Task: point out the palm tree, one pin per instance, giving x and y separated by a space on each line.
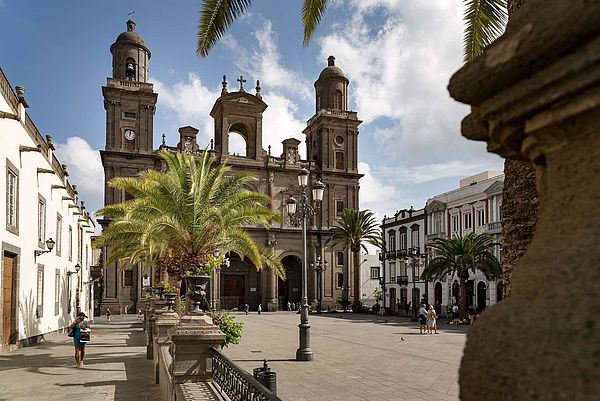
354 227
178 218
462 256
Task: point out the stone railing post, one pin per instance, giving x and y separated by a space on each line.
191 341
163 323
159 309
535 94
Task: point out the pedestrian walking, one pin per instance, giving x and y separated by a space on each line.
75 329
125 309
455 311
289 305
259 309
431 320
422 319
246 308
140 315
108 315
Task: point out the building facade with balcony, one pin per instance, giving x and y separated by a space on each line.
45 232
476 206
370 289
402 260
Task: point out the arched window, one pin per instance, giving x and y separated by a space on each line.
130 69
338 100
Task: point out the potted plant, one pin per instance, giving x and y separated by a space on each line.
196 280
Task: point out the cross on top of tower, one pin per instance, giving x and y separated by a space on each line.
241 80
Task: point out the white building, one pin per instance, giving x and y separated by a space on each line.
474 207
404 238
369 279
40 289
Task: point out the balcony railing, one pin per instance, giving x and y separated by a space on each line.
402 280
401 253
7 91
236 383
431 237
390 254
495 227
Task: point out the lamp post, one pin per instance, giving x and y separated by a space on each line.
414 258
77 295
299 213
319 267
49 244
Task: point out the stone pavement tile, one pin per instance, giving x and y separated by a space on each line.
115 368
356 356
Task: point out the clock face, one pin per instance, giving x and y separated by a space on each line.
129 134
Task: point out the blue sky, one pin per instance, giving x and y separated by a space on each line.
398 55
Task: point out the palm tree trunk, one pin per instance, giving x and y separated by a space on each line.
519 204
463 298
356 305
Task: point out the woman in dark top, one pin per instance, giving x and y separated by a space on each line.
79 324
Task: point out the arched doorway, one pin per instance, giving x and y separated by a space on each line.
470 293
290 289
437 297
237 144
455 293
393 302
239 284
241 140
499 291
481 296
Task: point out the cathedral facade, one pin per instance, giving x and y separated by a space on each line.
332 156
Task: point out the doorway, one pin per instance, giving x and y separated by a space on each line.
234 291
481 296
438 294
8 301
393 302
289 290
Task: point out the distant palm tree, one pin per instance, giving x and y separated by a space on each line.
353 229
178 218
462 256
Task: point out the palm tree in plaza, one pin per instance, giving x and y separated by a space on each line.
484 22
178 218
462 256
354 228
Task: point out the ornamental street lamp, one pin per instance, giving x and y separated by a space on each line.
49 244
319 267
299 213
415 260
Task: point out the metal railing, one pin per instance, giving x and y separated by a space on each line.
236 383
402 280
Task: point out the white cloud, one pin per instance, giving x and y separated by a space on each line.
85 170
374 195
431 172
263 62
279 123
399 71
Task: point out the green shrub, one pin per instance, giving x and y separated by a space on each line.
228 325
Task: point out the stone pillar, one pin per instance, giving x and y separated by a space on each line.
272 303
150 329
535 94
190 348
162 325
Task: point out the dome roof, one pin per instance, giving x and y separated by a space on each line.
331 71
130 36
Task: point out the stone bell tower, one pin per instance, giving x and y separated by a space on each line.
130 103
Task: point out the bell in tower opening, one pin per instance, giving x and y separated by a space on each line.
130 70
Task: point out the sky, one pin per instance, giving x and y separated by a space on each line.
398 55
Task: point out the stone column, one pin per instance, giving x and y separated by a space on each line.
150 327
162 325
190 348
272 303
535 94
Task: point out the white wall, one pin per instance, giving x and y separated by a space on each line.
31 184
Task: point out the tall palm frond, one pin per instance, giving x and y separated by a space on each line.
312 13
215 17
355 227
484 22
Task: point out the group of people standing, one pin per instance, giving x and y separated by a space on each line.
427 319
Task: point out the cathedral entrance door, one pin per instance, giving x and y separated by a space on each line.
234 291
290 289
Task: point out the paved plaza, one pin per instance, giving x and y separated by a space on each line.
115 368
357 357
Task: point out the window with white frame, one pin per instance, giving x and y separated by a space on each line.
480 217
455 223
414 241
70 243
438 222
56 291
340 258
340 280
40 291
467 221
12 198
403 269
374 272
393 271
392 241
58 245
41 221
403 244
